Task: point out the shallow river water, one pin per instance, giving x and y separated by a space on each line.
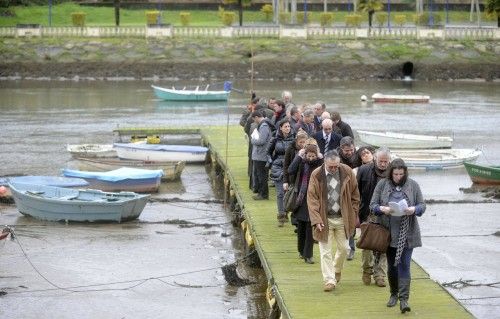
152 267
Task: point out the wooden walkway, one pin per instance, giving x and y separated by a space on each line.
298 286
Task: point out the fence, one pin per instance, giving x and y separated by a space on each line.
309 32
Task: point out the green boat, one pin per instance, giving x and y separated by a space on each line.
481 174
197 94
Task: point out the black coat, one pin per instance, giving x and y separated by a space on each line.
297 169
345 129
276 152
367 180
290 153
332 144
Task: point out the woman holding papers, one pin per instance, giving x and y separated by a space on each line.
397 201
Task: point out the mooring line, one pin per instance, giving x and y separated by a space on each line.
137 281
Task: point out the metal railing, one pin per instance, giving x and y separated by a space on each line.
309 32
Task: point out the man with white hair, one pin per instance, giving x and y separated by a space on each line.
368 176
286 97
327 139
333 203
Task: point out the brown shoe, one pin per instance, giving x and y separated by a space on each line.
380 282
367 278
328 287
337 276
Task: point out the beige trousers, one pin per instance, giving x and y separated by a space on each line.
330 265
371 267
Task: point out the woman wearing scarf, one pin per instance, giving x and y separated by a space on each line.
405 232
304 163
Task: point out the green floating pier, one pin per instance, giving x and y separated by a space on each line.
297 286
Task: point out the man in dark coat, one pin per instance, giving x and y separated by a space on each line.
368 176
343 127
326 138
319 108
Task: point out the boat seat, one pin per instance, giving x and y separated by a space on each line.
69 197
35 193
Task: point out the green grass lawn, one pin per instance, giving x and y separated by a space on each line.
104 16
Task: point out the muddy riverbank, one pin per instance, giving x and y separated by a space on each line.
202 59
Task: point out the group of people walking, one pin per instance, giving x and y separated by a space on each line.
311 152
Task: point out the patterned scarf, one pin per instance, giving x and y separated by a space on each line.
403 233
303 183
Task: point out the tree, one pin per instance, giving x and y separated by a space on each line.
370 6
493 8
241 4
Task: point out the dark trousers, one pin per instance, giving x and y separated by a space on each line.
305 239
351 243
261 174
251 181
402 270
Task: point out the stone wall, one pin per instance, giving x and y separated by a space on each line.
231 59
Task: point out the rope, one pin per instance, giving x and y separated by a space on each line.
460 284
137 282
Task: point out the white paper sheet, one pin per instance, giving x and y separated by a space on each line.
398 208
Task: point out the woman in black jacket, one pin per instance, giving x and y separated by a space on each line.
291 151
276 154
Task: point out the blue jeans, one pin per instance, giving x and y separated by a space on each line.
280 194
402 270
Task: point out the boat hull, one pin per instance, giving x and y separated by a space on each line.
480 174
62 204
386 98
189 95
139 152
92 150
436 159
146 185
122 179
171 170
406 141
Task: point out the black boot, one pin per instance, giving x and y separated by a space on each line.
393 284
404 294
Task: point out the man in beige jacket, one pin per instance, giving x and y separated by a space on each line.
333 203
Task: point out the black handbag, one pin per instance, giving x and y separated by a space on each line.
374 237
290 199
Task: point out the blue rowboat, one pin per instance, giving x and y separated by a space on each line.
59 181
66 204
122 179
174 94
161 153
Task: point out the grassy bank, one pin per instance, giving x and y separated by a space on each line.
104 16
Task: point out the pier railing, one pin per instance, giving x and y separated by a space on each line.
308 32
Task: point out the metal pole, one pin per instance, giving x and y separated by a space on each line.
50 13
389 14
305 12
431 18
447 20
